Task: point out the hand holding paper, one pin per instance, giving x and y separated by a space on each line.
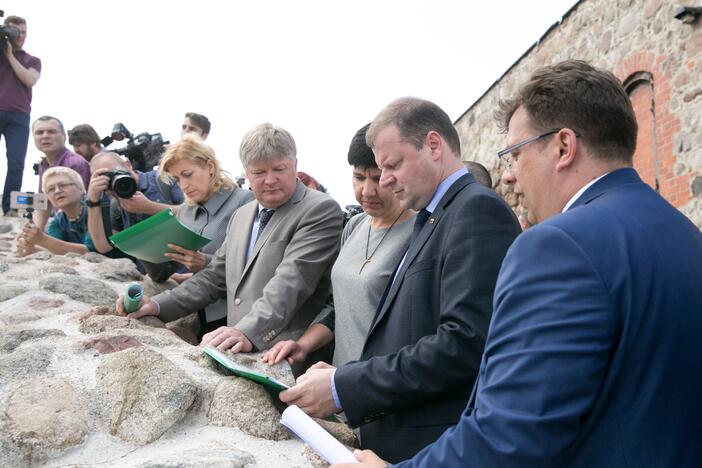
312 392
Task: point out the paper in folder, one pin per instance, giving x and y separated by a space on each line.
315 436
149 239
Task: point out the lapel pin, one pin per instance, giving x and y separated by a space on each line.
431 220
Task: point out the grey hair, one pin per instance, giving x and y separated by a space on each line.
266 142
68 172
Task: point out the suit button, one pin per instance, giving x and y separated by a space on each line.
237 301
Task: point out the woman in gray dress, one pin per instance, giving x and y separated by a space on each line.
211 197
372 245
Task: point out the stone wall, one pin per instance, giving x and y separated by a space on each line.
657 57
81 386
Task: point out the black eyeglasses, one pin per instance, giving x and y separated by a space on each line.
506 154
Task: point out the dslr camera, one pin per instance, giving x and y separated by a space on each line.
121 183
7 33
143 150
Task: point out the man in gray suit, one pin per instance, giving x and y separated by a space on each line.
274 265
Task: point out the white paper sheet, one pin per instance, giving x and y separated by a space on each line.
315 436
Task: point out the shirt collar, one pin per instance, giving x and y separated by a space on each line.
217 200
443 188
577 195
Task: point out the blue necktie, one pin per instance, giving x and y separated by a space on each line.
263 219
419 223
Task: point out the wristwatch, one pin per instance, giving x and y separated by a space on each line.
92 204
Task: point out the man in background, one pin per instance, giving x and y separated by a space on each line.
152 196
197 124
19 72
85 141
480 173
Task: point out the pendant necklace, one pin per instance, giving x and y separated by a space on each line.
368 257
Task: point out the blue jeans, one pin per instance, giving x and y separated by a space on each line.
14 126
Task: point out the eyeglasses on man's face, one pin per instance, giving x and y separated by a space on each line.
51 189
506 154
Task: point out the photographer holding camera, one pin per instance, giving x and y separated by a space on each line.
19 72
128 196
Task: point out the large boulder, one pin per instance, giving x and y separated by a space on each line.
45 415
144 393
243 404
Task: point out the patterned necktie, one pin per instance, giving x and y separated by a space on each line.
263 219
419 223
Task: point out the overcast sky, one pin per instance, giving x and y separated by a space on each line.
320 69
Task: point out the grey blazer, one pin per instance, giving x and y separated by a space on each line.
277 294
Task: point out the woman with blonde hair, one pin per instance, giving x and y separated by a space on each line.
68 229
211 197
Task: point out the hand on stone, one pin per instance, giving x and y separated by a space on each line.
367 459
312 391
229 338
289 349
192 259
146 307
24 247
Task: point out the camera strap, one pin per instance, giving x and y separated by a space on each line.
106 218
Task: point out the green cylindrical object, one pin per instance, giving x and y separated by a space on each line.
132 298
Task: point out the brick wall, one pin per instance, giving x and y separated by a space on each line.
632 38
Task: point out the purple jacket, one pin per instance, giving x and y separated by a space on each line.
67 159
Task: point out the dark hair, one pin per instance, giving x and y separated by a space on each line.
360 154
415 118
15 20
83 133
480 173
199 120
576 95
45 118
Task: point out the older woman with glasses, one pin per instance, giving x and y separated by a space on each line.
211 197
68 230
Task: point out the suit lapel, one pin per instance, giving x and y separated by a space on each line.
248 215
418 245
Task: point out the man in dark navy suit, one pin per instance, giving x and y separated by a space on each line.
593 356
423 350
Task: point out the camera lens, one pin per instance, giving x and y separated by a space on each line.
124 186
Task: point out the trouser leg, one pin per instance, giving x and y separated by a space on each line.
16 132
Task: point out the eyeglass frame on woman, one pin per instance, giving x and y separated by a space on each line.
506 152
60 186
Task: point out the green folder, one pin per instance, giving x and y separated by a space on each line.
149 239
244 372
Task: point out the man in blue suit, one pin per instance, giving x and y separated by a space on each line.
593 355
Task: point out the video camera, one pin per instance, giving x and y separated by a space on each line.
143 150
7 33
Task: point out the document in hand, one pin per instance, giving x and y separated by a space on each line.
315 436
244 372
149 239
